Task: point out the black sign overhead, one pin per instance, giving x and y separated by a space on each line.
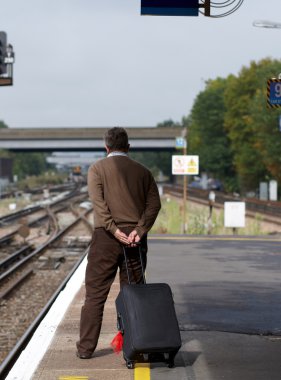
170 7
216 9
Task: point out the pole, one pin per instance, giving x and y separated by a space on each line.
184 135
207 6
184 195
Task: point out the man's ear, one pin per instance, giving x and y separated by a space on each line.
107 149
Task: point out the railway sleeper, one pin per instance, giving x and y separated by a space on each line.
51 263
14 284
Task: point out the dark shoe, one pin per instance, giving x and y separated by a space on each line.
84 356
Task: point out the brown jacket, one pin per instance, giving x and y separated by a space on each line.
123 193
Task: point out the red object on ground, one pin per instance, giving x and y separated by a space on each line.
117 343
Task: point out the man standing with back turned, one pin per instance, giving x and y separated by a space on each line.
126 203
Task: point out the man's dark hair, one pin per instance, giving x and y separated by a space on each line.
116 139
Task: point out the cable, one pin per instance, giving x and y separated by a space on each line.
224 4
229 12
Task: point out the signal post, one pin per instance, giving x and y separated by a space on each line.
7 59
184 165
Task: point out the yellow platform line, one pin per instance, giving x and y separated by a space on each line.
142 371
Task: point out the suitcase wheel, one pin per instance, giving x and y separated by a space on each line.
169 360
171 363
130 364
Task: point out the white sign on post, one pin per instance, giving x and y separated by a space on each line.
263 191
182 165
234 214
273 193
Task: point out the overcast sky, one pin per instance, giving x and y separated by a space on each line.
99 63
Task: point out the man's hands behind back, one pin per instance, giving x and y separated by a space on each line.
134 237
130 240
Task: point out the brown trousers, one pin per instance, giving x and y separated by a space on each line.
104 258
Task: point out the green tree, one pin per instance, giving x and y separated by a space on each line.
251 125
168 124
267 141
2 124
207 136
3 153
155 161
26 164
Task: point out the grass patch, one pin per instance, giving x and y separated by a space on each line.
169 220
47 178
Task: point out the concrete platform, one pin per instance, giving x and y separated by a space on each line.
227 294
60 359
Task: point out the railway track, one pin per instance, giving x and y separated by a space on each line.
271 211
43 212
29 210
38 190
19 259
31 275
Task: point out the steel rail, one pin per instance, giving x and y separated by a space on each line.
83 217
9 218
37 190
42 247
14 257
6 239
13 355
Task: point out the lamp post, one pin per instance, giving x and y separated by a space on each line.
268 25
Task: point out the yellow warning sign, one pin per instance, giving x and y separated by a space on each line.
192 166
182 165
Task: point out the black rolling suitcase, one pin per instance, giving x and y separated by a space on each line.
147 320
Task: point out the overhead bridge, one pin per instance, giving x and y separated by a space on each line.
84 139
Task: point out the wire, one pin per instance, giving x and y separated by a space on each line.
224 4
230 11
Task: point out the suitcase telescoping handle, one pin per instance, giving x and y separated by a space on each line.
141 261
